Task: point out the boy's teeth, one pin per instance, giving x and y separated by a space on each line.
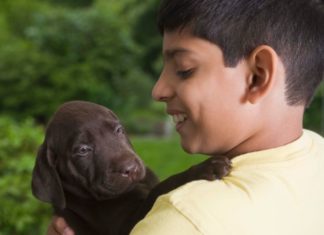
177 118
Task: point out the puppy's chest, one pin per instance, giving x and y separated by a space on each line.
110 217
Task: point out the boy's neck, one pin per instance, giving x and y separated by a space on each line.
278 129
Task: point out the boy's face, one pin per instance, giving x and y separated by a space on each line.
205 98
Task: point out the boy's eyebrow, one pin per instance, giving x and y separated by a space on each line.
171 53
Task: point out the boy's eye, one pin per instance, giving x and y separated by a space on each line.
185 73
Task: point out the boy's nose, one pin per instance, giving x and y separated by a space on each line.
162 90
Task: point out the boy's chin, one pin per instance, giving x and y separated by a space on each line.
192 148
188 148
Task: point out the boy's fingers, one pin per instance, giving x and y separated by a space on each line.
68 231
51 227
59 227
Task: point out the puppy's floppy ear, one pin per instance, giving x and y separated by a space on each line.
46 183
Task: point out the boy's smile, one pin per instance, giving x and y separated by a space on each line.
178 117
202 95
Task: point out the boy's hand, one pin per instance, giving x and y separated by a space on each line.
58 226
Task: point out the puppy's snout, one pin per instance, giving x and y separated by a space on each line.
130 170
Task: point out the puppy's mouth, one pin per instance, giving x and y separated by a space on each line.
101 193
116 184
105 192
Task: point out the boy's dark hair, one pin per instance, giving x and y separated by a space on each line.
293 28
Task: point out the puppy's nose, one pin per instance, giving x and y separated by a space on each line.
130 170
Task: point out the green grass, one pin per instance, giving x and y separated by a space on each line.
164 156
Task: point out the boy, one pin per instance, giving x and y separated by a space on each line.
237 77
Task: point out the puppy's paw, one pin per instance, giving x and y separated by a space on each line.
213 168
219 167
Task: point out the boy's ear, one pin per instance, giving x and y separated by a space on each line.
263 64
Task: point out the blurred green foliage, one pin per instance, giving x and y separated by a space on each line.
103 51
52 54
20 212
314 115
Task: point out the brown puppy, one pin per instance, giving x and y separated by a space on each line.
87 169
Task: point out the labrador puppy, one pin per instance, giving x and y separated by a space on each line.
87 169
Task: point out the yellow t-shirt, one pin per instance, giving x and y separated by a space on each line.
278 191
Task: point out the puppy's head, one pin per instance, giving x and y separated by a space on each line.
87 153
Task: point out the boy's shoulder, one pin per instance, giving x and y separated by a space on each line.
263 187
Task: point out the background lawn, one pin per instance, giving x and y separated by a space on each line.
164 156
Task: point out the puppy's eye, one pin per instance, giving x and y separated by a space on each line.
119 130
83 150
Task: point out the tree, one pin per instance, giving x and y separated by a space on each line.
61 54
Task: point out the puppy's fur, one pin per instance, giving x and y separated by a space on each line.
87 169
